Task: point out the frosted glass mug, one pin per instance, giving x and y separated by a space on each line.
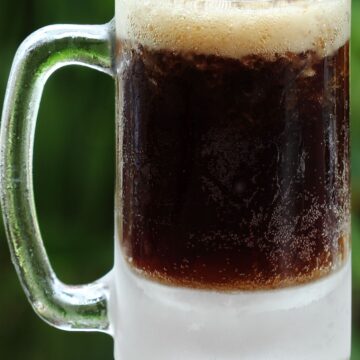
232 202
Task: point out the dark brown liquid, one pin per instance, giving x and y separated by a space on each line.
235 173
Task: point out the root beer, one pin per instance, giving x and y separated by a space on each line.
235 169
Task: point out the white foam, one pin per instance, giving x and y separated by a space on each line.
235 28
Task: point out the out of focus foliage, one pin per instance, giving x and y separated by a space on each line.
74 181
355 163
74 172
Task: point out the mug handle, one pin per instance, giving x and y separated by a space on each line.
67 307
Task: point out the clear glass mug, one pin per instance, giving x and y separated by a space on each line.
232 205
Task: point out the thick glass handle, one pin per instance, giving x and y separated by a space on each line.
66 307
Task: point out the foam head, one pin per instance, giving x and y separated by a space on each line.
235 28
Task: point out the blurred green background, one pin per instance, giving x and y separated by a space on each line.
74 177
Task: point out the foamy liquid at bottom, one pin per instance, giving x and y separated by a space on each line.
156 322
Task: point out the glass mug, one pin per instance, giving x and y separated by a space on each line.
232 205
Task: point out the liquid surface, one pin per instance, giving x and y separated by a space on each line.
234 166
235 172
